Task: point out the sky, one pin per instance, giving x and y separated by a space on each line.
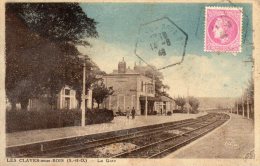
202 74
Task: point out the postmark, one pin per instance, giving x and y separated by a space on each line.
161 38
223 29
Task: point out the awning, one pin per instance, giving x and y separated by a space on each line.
149 98
165 98
159 98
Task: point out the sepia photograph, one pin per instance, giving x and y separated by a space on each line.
133 80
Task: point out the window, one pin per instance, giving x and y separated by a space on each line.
67 103
150 89
67 92
142 86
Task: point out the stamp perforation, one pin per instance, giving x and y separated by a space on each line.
240 29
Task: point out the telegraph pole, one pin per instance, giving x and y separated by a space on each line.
247 103
146 105
188 99
243 106
251 107
146 102
153 84
237 108
83 103
83 95
242 101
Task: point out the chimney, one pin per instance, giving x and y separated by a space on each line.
122 66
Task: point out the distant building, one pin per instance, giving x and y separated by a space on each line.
66 99
164 104
131 89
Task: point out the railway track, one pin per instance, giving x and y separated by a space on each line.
49 147
68 150
165 146
152 142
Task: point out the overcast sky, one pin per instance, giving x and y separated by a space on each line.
204 74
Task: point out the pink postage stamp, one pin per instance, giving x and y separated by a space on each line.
223 29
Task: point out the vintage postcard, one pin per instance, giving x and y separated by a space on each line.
130 83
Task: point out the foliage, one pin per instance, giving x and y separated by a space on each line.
248 101
41 56
58 22
99 116
180 101
101 92
177 111
32 120
92 73
154 113
249 92
169 113
160 88
194 103
19 82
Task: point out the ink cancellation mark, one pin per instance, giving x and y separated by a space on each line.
161 38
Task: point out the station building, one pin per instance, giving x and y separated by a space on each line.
164 104
131 89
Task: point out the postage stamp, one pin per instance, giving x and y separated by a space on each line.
223 29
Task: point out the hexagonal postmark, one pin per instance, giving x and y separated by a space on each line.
161 39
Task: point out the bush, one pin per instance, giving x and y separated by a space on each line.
99 116
152 113
169 113
31 120
194 111
120 113
177 111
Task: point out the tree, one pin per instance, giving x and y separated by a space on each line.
180 101
101 92
194 103
248 98
92 73
19 83
251 92
41 56
59 22
153 73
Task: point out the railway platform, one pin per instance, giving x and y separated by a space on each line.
234 139
119 123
